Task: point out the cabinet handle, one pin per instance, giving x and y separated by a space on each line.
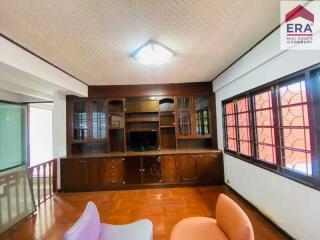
122 159
123 182
189 179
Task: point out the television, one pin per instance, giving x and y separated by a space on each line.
142 140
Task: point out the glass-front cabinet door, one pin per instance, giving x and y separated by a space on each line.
184 116
80 121
98 120
202 115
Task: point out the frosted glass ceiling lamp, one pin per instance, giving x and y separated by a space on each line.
152 54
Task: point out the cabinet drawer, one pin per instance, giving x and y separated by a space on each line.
113 171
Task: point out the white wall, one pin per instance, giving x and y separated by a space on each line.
59 130
23 74
292 206
40 134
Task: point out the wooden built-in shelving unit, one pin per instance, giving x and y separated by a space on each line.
104 124
98 129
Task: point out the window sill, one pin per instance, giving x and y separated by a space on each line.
299 178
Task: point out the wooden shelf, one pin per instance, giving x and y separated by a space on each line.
193 137
168 126
115 128
165 113
116 113
141 112
142 121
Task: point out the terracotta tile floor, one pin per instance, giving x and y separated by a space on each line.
164 207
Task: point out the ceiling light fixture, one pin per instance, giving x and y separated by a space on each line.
152 54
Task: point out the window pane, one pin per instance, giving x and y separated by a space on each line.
231 132
263 100
40 134
264 127
265 135
243 125
232 145
243 119
293 93
12 135
245 148
295 115
295 130
231 120
266 153
298 161
244 133
296 138
230 108
230 127
242 105
264 118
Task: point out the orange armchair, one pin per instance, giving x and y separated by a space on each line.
231 224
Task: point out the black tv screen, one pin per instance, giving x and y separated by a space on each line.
142 140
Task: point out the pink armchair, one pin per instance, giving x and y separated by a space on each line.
88 227
231 223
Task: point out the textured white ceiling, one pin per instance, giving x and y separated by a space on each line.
92 39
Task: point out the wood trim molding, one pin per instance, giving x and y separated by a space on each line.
173 89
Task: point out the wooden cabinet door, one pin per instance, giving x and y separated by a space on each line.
184 117
188 165
98 120
168 169
141 106
72 171
202 116
80 121
210 168
93 174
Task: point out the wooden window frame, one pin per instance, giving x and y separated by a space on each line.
225 134
313 104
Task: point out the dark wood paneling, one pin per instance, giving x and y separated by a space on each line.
168 140
213 118
174 89
141 106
